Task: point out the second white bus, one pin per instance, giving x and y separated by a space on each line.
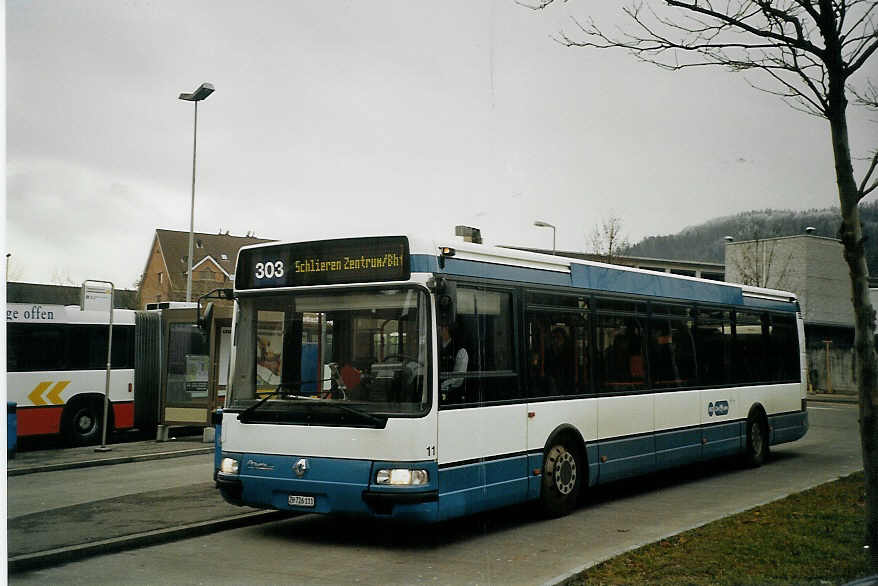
56 361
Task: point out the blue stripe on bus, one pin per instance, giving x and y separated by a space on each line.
607 279
620 458
424 263
486 270
768 304
654 285
722 439
788 427
677 447
473 486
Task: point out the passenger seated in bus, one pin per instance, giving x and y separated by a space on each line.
558 362
453 357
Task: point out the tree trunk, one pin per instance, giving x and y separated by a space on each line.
851 235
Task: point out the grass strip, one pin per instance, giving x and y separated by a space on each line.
813 537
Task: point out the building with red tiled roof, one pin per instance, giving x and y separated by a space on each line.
213 264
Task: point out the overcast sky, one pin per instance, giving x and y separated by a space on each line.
335 117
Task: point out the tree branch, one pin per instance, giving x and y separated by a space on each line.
864 191
850 69
802 44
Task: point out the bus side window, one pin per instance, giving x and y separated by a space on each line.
620 353
557 354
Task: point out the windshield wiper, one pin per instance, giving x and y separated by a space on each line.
381 421
277 391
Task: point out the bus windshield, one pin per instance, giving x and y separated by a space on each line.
331 358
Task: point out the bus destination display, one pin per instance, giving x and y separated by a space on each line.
327 262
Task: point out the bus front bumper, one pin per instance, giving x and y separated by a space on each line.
328 486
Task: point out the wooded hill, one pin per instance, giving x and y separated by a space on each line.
705 242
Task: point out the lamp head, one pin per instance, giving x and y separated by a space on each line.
201 93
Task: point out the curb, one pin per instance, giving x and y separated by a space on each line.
107 461
63 555
839 399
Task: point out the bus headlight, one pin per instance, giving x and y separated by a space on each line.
229 466
402 477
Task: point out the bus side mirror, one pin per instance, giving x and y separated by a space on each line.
446 302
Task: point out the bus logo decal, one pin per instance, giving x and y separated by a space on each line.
253 464
36 395
301 467
719 408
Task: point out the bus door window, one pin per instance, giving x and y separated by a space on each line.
483 329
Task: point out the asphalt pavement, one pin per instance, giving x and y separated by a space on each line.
59 535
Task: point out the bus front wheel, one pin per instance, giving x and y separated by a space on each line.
561 481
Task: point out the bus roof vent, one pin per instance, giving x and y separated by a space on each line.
469 234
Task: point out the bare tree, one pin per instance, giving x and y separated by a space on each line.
607 239
807 52
14 271
62 277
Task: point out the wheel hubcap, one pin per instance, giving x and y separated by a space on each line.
84 422
756 437
565 473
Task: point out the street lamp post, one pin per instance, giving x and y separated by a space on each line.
541 224
198 95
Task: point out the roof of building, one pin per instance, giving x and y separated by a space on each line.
221 248
62 295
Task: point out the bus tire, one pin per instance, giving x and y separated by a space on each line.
82 421
561 480
756 449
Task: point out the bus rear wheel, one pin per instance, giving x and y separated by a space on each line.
561 481
82 422
757 441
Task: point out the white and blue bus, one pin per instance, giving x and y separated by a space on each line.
397 377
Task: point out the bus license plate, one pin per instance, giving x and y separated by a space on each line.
301 501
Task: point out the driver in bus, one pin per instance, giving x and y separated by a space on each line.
451 359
